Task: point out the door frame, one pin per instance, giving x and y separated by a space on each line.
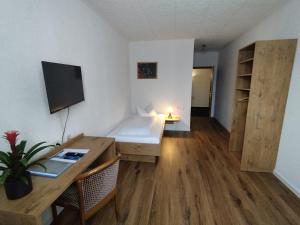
211 85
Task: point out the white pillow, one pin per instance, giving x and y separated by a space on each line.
142 112
137 126
149 108
153 113
148 112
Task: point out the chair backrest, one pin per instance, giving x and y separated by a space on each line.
98 183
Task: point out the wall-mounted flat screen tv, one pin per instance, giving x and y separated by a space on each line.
63 85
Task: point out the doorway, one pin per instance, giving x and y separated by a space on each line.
202 81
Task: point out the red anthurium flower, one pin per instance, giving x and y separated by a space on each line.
11 136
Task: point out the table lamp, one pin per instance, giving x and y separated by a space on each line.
170 111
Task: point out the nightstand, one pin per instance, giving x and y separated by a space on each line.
173 119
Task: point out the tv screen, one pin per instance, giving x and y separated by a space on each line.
63 85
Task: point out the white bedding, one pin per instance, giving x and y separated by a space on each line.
139 129
136 126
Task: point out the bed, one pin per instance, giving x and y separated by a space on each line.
139 138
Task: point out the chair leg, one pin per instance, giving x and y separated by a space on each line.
116 209
54 213
82 219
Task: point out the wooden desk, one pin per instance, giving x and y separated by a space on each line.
28 210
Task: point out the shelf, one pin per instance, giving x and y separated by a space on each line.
243 100
246 60
173 119
243 89
250 47
245 75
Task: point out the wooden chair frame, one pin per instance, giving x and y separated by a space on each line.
78 181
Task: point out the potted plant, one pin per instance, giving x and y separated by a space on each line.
15 177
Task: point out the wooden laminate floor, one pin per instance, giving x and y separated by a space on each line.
197 181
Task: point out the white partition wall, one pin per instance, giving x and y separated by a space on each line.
173 86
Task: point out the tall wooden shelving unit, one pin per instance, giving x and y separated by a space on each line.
262 84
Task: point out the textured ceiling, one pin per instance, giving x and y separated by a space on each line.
211 22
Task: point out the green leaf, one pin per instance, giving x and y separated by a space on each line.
5 158
34 152
37 163
4 176
24 162
34 147
21 147
3 168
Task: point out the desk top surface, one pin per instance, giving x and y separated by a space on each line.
47 190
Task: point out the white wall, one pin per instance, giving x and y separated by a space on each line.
204 59
174 84
282 24
64 31
201 87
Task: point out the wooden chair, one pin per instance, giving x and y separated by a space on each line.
91 191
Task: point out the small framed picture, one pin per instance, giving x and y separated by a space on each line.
147 70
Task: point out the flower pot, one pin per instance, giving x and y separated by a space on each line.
18 189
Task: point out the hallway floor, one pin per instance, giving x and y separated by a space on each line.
197 181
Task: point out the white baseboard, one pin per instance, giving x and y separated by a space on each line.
286 183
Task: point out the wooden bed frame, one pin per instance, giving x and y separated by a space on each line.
140 152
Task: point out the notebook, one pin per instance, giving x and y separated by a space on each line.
57 164
54 168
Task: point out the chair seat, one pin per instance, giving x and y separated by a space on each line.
70 197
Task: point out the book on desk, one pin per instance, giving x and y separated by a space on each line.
58 163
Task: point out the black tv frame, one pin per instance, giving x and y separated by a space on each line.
47 90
